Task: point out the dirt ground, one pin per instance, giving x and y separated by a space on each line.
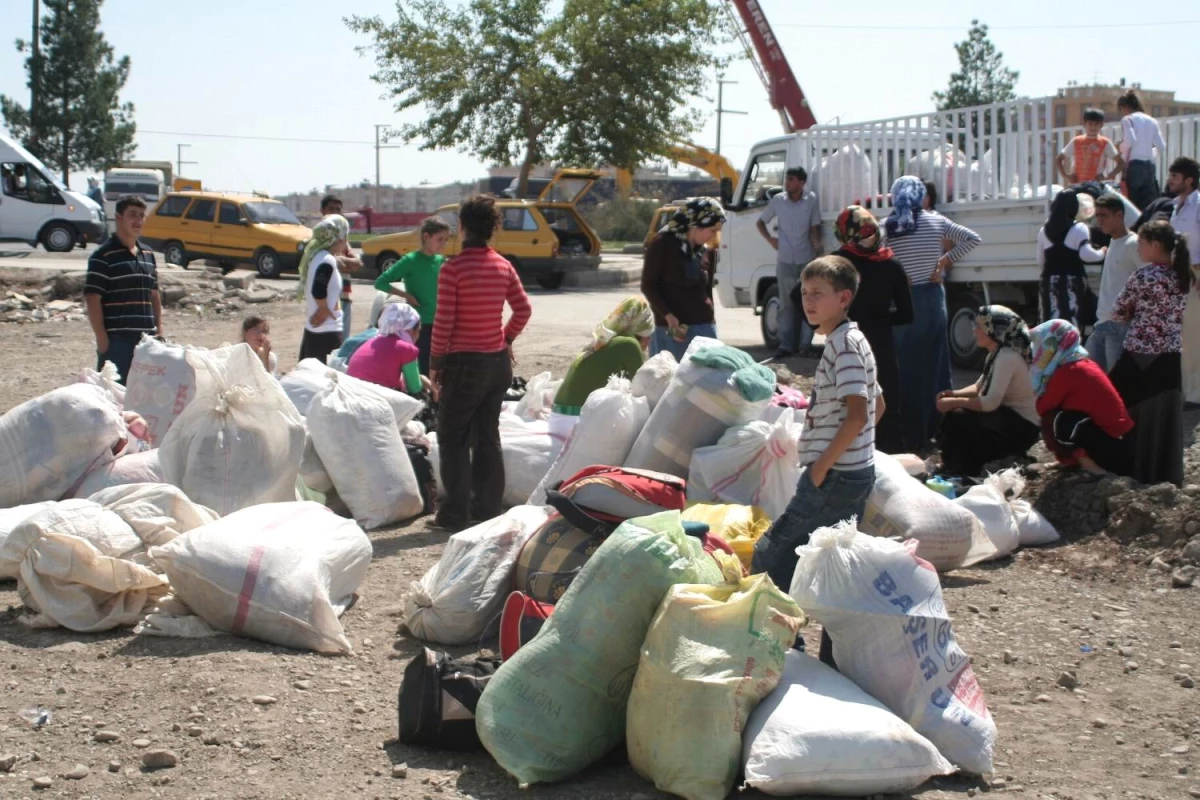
1090 606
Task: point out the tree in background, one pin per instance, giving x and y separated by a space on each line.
79 122
982 77
593 82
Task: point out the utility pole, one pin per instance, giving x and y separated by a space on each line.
380 146
179 162
721 110
35 75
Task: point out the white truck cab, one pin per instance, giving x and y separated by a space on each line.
994 170
36 208
148 184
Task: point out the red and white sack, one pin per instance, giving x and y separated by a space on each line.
756 464
882 606
162 382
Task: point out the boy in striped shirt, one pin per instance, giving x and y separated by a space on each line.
837 445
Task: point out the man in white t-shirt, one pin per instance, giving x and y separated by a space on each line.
1142 138
1120 261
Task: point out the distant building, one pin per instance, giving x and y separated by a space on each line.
402 199
1071 101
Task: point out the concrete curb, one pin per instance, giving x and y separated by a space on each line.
603 277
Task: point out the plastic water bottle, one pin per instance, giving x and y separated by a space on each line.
36 717
941 486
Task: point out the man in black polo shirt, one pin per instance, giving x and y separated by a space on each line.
122 290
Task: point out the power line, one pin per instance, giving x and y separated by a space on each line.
990 27
255 138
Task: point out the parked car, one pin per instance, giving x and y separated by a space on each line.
227 228
544 238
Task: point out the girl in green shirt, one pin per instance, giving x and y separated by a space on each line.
618 348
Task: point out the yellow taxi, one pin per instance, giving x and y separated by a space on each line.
661 215
544 238
227 228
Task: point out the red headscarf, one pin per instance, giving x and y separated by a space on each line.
858 231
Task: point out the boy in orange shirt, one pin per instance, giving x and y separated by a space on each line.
1085 156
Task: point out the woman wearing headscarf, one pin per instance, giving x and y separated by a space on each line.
618 347
321 285
995 417
677 276
883 301
390 358
1084 420
916 237
1063 248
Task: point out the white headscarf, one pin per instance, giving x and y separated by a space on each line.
397 319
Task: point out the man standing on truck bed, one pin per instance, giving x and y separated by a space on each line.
121 292
1141 137
799 242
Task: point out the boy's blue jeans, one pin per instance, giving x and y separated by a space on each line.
843 495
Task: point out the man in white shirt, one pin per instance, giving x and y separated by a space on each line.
1141 137
798 242
1182 180
1120 261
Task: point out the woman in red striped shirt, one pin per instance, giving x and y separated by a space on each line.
471 362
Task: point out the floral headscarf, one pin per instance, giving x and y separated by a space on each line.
632 317
696 212
332 228
1056 343
1006 328
908 193
397 319
858 231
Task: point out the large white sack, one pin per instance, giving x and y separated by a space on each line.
538 399
162 382
700 404
49 443
9 519
950 536
1033 529
654 376
818 733
239 443
108 379
462 593
157 512
529 449
756 464
279 572
312 469
995 515
882 606
608 425
355 435
310 377
143 467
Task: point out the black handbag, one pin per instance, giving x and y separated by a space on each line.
437 700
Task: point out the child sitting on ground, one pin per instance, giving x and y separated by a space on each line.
256 332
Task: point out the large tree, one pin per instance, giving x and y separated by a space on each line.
581 81
79 122
982 77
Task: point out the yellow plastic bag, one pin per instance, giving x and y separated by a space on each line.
711 654
740 526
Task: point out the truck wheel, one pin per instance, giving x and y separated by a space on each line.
266 261
59 237
551 280
770 317
174 253
962 309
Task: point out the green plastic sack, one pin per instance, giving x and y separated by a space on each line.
712 653
558 705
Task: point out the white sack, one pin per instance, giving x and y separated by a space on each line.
157 512
312 469
10 518
143 467
310 377
1033 529
279 572
465 590
608 425
883 608
538 399
949 535
654 376
355 434
756 464
995 516
818 733
529 452
107 379
162 382
239 443
49 443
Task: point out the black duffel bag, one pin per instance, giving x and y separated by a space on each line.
438 698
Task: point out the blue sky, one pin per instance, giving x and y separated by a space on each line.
289 70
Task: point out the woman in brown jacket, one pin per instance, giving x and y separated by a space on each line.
677 276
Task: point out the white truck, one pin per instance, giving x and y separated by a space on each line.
993 167
36 208
148 180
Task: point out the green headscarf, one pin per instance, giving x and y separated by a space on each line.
632 317
332 228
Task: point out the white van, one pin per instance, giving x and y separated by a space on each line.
119 182
35 207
